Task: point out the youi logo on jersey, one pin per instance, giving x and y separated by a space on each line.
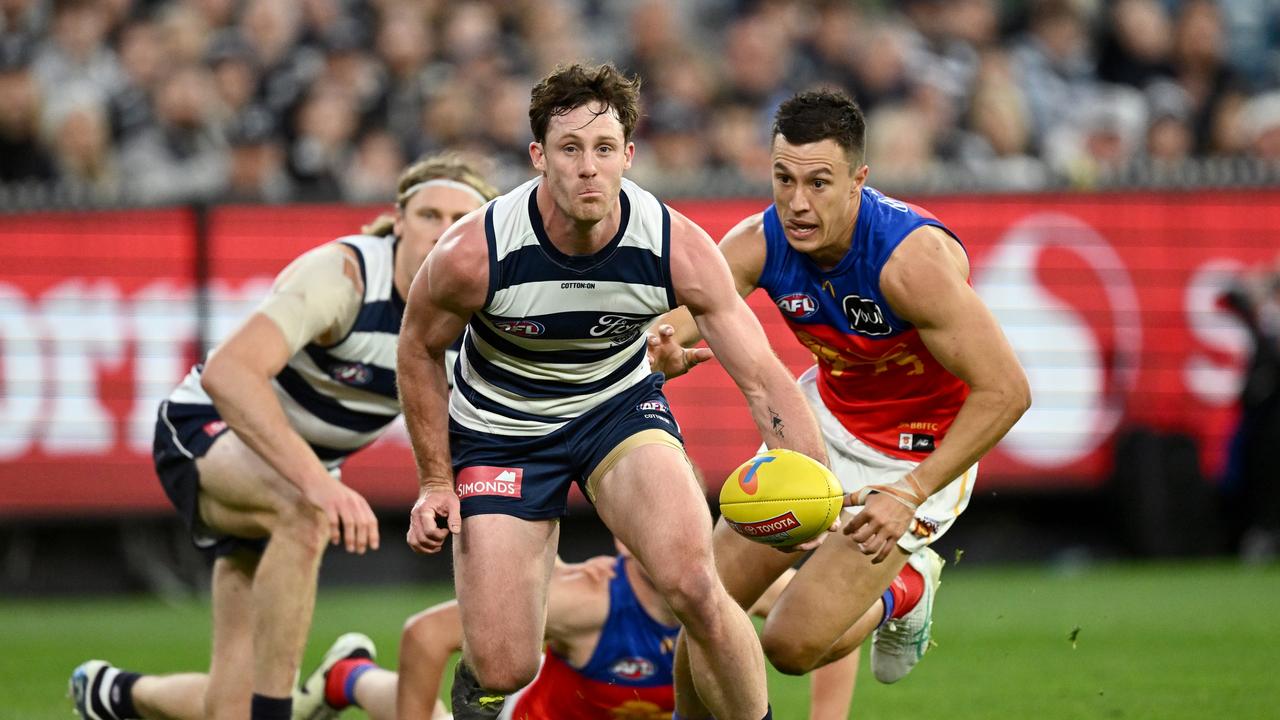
865 316
797 305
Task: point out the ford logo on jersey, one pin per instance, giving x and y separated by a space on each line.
797 305
525 328
351 373
614 325
633 669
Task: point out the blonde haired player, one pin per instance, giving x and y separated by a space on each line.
914 382
249 446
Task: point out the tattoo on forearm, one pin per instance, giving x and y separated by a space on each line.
776 421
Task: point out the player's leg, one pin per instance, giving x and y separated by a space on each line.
243 496
652 503
502 566
171 697
101 691
107 693
834 597
747 569
426 643
230 688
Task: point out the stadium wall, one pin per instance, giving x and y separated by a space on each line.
1109 299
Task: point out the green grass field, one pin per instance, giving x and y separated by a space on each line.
1155 641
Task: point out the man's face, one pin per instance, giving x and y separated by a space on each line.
816 192
424 218
583 158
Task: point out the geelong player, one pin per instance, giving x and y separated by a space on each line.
609 649
914 383
555 284
249 446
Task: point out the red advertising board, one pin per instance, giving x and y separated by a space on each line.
1108 300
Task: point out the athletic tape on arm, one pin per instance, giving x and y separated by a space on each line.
313 296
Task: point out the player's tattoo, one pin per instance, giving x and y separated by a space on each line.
776 421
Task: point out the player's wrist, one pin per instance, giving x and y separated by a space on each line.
906 490
434 483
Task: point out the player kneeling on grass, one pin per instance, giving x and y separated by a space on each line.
914 383
610 642
249 446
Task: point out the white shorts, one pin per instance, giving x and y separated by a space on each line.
858 465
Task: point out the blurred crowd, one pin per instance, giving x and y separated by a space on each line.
161 101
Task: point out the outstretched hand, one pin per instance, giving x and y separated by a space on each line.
434 517
670 358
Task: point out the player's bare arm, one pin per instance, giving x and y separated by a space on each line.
239 371
925 283
673 335
704 284
449 287
577 608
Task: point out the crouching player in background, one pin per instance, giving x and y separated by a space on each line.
914 383
610 645
249 446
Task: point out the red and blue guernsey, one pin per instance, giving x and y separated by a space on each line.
628 676
874 373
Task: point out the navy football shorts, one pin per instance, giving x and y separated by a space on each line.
184 433
529 477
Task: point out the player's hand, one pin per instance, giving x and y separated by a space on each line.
878 527
351 520
434 517
671 359
812 544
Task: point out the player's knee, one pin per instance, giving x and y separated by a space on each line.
504 674
692 591
304 522
789 653
416 634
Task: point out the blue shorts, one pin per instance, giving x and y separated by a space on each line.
529 477
184 433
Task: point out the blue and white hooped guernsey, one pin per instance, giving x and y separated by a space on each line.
560 334
340 397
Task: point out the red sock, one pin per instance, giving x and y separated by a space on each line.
907 589
339 685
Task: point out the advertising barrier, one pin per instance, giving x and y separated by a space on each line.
1109 300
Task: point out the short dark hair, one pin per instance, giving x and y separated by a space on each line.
816 115
572 87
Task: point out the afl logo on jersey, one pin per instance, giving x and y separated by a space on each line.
797 305
351 373
633 669
523 328
865 316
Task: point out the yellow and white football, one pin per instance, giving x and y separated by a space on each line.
781 498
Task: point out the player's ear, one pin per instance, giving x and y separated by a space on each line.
629 152
859 179
537 156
